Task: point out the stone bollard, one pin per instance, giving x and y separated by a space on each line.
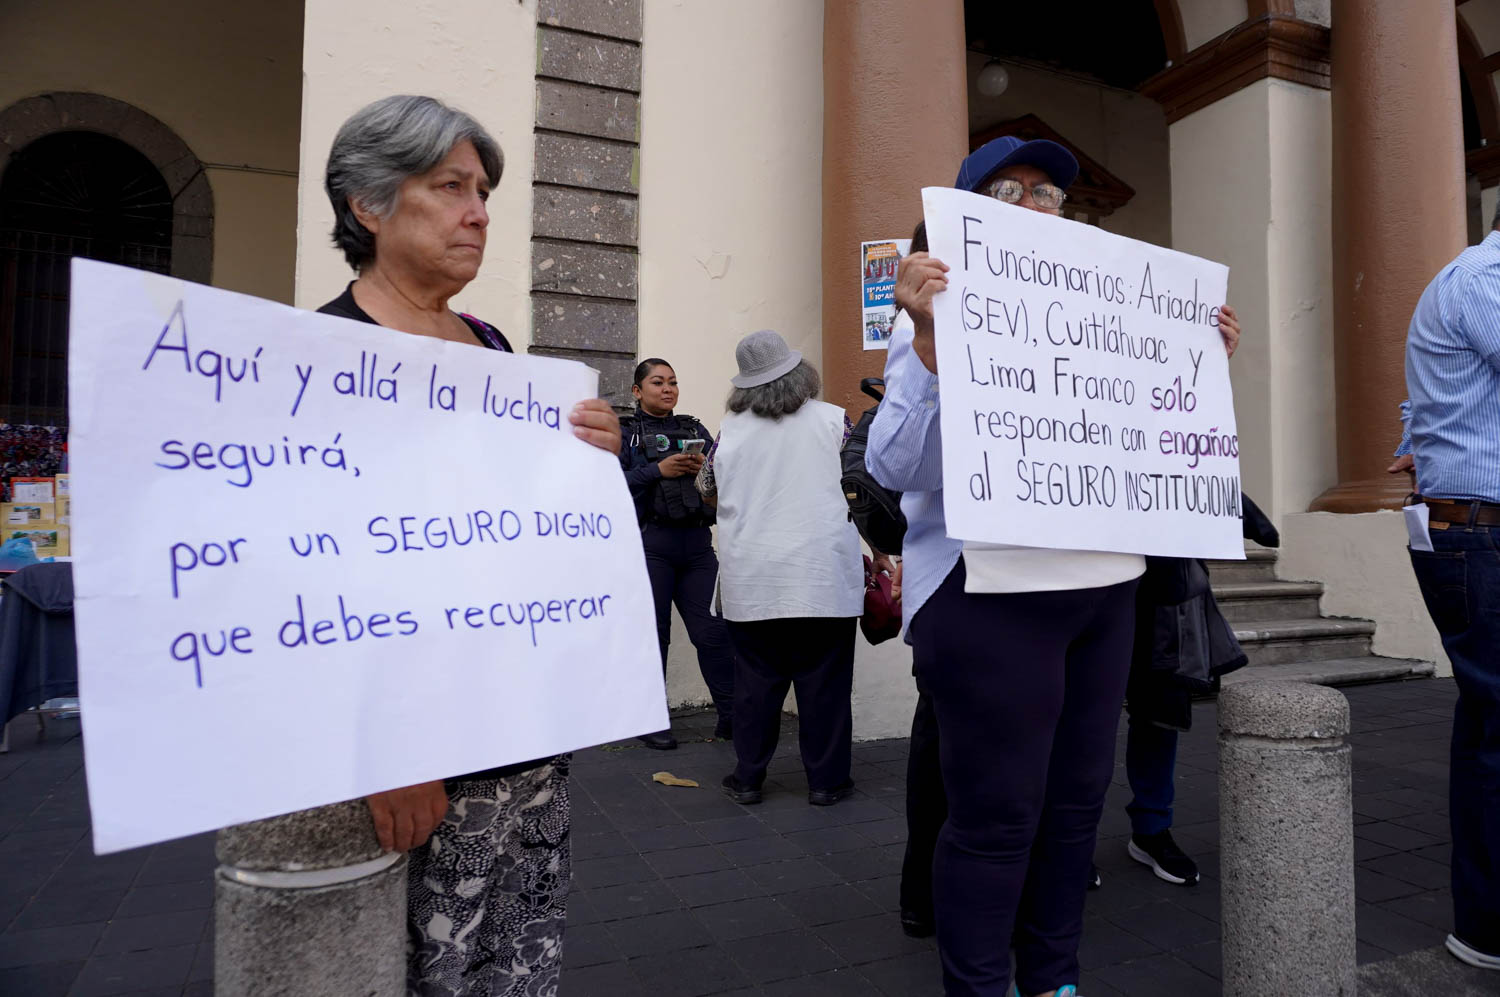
1286 827
307 903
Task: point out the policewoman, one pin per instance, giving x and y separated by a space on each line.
662 453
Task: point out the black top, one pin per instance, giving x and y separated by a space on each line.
344 306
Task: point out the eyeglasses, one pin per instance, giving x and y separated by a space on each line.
1044 195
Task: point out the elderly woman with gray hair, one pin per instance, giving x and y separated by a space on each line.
408 178
791 575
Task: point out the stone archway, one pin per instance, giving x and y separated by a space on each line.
192 198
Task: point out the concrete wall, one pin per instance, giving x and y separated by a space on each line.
730 207
1300 314
1125 132
1363 565
1268 144
477 55
225 77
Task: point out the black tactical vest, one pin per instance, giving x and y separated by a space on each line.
673 501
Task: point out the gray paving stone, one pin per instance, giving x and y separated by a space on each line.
745 918
915 974
198 895
1160 974
870 938
615 18
65 943
693 973
647 934
767 958
613 979
827 904
124 972
1106 943
61 906
52 979
612 871
131 934
685 861
720 886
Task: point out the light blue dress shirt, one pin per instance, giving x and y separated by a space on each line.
1453 376
905 453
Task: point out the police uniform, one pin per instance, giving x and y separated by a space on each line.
680 557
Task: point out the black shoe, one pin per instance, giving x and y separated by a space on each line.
662 740
739 792
1168 861
1095 880
828 797
724 729
917 925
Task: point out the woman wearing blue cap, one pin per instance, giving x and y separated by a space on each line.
1023 652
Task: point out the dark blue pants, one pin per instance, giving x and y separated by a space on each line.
1027 689
816 654
683 569
1460 581
1150 765
926 809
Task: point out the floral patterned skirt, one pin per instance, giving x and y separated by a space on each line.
487 895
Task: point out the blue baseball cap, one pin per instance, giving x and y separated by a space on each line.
1007 150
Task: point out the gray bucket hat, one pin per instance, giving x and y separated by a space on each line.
763 357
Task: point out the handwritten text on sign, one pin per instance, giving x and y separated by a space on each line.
316 559
1085 390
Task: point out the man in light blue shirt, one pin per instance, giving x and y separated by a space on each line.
1453 376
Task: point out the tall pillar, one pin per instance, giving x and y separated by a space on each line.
895 119
1398 217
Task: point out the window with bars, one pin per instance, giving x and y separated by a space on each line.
67 194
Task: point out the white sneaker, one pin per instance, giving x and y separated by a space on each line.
1466 953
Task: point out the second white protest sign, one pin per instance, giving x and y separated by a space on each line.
1085 389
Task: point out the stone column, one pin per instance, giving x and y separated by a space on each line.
895 119
1286 827
307 903
1398 217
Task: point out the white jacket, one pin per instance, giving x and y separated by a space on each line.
786 545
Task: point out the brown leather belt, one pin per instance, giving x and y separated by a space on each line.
1462 512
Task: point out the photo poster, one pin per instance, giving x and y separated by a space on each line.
316 559
877 290
1085 392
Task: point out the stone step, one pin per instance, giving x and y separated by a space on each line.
1259 565
1246 601
1336 671
1277 642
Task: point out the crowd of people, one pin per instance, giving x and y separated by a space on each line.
1022 657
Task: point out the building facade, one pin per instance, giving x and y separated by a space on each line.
681 172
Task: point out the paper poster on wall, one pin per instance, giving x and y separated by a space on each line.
317 559
877 277
31 489
1085 390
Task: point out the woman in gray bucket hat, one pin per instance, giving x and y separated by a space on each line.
791 576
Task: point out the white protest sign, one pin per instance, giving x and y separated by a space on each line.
316 559
1085 389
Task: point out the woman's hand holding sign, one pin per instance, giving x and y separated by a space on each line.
405 818
919 277
1229 329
